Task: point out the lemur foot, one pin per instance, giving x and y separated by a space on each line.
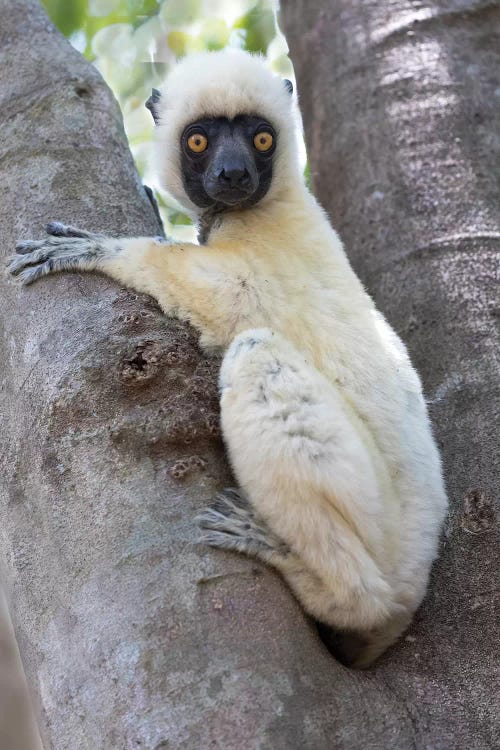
65 249
230 523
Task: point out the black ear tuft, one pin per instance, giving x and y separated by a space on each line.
152 104
288 85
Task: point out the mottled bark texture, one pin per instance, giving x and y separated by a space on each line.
401 104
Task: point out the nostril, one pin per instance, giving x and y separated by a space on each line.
233 176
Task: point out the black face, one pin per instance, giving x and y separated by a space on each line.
227 163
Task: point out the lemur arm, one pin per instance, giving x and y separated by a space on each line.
188 280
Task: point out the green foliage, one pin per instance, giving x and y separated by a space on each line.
68 17
135 42
181 12
259 25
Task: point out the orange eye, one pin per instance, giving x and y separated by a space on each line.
197 142
263 141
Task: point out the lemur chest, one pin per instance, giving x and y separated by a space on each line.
295 308
334 327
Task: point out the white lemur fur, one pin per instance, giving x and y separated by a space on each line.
322 412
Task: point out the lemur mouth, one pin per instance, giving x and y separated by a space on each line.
231 198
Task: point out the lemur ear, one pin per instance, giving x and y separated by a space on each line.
152 104
288 85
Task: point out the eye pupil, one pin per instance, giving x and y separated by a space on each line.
197 142
263 141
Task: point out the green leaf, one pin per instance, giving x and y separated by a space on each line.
67 16
177 218
260 26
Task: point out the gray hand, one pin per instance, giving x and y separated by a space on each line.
65 249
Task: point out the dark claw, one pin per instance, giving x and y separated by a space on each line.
32 273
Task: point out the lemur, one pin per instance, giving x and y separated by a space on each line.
322 413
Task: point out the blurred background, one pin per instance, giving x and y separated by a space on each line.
133 43
18 729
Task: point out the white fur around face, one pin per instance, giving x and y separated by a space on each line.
224 84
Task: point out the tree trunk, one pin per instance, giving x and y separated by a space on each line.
402 116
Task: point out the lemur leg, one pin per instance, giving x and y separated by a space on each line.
308 474
231 523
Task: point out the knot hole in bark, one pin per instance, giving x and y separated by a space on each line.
142 364
82 90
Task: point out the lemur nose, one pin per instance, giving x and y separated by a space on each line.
234 176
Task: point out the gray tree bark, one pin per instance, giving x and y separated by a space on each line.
131 635
401 103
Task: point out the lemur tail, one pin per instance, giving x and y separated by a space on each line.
360 650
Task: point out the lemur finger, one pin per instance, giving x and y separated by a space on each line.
58 229
234 497
16 263
36 252
33 273
48 245
37 255
220 540
230 512
246 545
26 246
211 518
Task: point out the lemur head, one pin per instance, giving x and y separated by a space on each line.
226 132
